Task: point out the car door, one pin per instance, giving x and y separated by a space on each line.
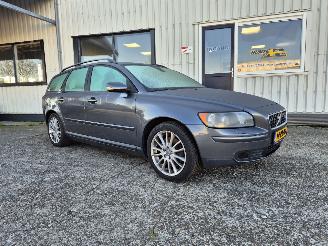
110 115
72 101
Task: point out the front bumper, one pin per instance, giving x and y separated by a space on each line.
218 147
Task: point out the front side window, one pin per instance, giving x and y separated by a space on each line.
102 77
270 46
76 80
22 63
127 47
159 78
57 82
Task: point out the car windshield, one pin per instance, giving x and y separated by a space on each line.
160 78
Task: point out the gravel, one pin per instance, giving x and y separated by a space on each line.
87 195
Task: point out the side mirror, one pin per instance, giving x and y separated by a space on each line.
117 87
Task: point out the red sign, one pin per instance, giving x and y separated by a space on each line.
186 49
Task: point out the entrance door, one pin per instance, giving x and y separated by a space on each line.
218 50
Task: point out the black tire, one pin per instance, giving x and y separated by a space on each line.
192 161
63 139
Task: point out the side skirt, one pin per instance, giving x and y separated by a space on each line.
102 141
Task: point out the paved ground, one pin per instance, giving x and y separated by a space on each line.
84 195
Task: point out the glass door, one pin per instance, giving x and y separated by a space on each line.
218 62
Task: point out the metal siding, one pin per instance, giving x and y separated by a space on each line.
176 23
15 27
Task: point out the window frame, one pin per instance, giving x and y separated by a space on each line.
14 47
77 42
238 24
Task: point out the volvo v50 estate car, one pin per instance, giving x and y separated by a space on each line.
175 122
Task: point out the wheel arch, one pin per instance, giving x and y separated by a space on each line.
48 113
156 121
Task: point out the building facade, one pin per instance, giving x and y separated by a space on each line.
275 49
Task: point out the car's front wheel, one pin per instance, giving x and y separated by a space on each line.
56 131
172 152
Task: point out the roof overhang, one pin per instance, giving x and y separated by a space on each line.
26 12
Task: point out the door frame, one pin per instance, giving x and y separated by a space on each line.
231 25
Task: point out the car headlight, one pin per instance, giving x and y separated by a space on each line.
227 120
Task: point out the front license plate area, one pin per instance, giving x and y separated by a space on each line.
280 135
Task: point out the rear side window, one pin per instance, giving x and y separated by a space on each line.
76 80
57 82
103 77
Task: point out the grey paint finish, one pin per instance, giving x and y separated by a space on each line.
115 114
121 119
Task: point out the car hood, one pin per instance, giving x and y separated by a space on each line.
217 96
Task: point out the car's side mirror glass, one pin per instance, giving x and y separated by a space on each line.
117 87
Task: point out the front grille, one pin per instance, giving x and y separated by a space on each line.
277 119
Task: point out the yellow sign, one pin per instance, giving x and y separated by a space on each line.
280 135
274 52
268 65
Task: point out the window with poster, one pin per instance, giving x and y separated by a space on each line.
22 64
271 46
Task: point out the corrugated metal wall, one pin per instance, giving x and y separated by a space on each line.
15 27
176 24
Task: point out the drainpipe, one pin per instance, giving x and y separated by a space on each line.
58 34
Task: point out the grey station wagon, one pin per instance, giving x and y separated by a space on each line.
175 122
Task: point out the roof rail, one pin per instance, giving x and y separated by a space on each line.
91 61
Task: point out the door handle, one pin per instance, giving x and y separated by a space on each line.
61 99
92 100
232 72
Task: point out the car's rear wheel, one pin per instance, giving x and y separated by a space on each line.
172 152
56 131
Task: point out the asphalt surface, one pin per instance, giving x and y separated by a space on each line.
86 195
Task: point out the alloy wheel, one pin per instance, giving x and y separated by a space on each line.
168 153
54 130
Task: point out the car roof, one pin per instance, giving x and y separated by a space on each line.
105 62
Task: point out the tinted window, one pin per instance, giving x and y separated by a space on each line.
76 80
156 77
103 77
57 82
270 46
